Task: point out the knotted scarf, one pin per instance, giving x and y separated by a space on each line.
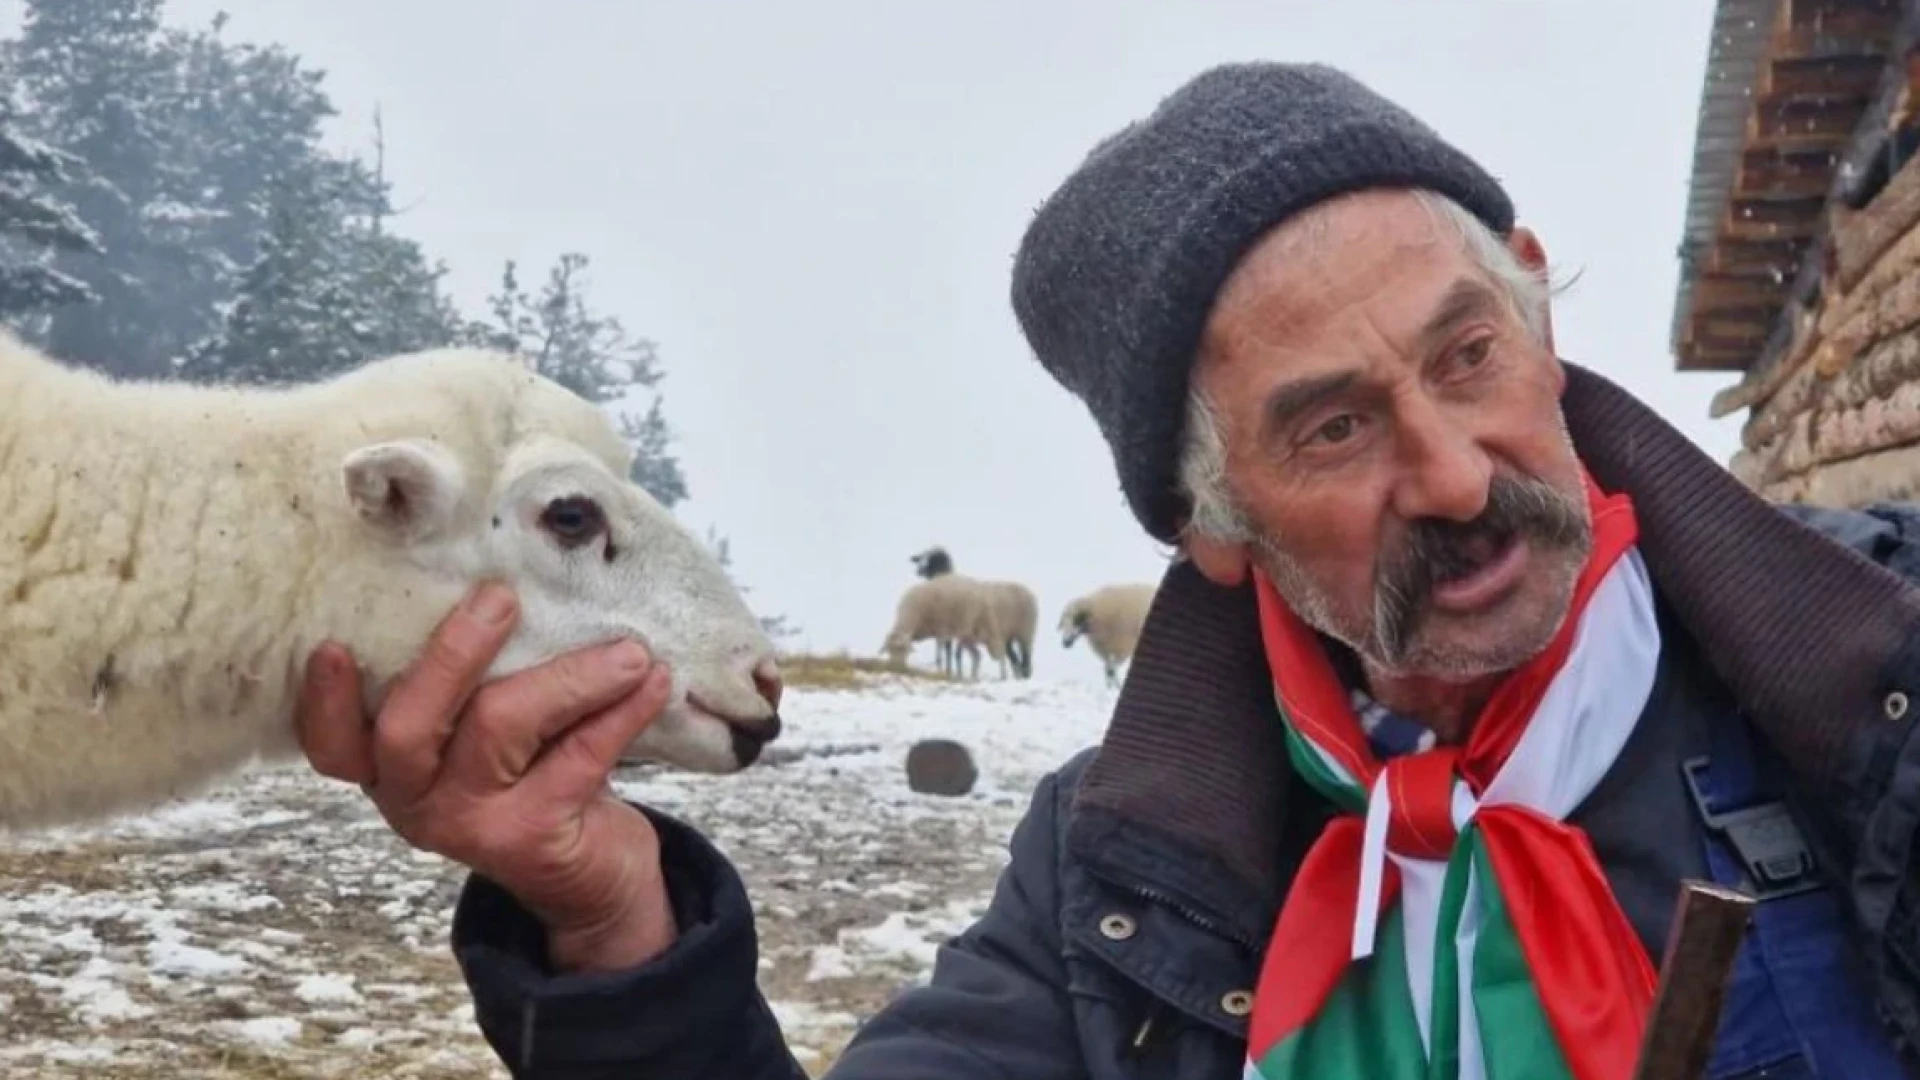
1448 923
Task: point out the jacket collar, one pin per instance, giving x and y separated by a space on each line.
1192 771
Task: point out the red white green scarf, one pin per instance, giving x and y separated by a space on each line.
1448 924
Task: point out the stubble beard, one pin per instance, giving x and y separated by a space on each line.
1398 636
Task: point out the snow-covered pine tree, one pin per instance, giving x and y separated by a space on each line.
35 225
330 289
242 121
93 75
591 354
188 141
293 319
410 308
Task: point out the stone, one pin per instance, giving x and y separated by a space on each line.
940 767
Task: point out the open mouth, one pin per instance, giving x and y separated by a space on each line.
1487 569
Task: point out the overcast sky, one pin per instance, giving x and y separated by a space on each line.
812 206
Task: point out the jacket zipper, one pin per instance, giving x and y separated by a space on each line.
1149 1028
1203 922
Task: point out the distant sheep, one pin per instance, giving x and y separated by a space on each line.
173 553
930 564
1017 617
1017 611
952 607
1110 618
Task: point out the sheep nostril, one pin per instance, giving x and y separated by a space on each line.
766 679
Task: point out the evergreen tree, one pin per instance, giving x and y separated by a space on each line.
564 339
35 226
188 141
293 320
243 125
92 73
411 309
329 290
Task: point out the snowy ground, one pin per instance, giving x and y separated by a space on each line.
277 930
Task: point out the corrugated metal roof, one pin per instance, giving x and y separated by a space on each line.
1741 29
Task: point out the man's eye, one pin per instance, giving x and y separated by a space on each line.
1474 352
1339 429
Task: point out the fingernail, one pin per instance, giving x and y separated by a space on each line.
630 659
492 603
323 666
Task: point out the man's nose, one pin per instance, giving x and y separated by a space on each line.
1443 472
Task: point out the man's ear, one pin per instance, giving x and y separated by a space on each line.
1221 562
1526 247
408 489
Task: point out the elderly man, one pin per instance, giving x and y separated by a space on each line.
1468 662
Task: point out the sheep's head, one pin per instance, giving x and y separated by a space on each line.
592 558
1073 623
933 562
896 648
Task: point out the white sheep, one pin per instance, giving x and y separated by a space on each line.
948 607
173 553
1016 611
1110 617
1017 618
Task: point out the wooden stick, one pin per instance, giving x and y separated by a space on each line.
1708 925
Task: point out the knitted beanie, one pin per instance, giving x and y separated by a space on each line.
1116 274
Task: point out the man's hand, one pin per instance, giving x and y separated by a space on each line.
510 777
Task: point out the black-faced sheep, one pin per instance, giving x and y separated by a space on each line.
1017 612
1110 618
173 553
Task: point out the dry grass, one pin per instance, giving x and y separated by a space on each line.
845 671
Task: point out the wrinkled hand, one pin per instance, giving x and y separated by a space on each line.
509 777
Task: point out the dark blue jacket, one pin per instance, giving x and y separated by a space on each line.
1124 938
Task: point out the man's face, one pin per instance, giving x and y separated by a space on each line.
1393 435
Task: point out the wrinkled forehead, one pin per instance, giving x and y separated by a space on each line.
1362 270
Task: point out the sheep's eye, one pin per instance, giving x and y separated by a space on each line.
573 520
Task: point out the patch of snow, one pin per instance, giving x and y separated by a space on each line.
319 988
894 938
91 1053
829 962
265 1030
78 939
179 958
93 994
222 896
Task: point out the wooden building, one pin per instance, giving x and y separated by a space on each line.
1800 261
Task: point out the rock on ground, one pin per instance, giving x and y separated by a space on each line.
940 767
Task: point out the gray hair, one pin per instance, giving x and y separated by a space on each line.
1215 512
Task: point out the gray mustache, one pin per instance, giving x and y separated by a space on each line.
1437 550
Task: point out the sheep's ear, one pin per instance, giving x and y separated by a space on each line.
408 489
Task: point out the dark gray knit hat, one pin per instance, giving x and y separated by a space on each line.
1117 272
